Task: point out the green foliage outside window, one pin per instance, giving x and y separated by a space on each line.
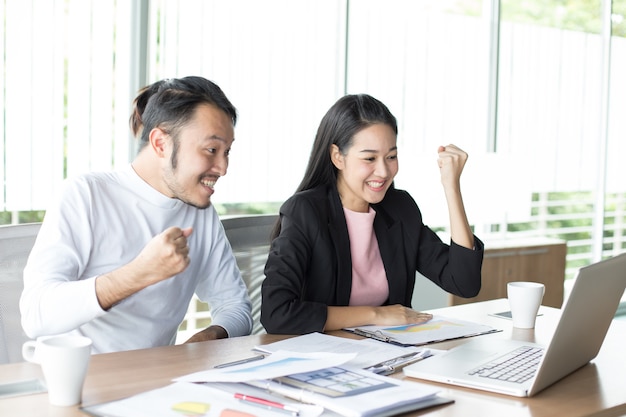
6 217
576 15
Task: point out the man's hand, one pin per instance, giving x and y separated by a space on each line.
165 255
210 333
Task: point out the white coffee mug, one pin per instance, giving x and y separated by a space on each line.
524 300
64 360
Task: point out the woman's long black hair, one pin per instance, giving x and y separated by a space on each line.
348 116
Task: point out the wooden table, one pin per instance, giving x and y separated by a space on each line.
598 389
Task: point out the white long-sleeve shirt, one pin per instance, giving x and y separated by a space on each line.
102 221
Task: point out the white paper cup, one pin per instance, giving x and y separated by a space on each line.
524 300
64 361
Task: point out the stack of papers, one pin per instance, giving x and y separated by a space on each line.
353 392
369 352
276 365
308 384
182 399
307 376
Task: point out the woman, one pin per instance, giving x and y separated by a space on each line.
348 244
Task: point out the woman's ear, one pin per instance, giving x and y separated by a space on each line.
336 157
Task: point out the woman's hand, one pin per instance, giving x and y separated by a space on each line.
451 162
353 316
399 314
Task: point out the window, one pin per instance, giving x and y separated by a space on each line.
280 63
66 94
534 91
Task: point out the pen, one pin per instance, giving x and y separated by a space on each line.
422 355
400 359
240 362
392 365
267 403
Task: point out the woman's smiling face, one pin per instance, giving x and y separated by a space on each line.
367 170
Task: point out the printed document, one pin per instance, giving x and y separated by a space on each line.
438 329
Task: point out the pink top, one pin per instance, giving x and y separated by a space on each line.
369 280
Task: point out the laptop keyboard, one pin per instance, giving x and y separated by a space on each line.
516 366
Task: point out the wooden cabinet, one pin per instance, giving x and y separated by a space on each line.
539 260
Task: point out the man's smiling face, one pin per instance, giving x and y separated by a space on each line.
198 156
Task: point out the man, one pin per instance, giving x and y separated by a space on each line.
120 255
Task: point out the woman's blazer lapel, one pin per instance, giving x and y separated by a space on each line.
391 244
338 231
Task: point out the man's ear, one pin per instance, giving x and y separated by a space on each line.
158 141
336 157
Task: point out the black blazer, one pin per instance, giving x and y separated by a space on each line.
309 265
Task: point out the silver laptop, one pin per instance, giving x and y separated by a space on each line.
584 321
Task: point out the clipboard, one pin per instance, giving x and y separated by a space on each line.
438 329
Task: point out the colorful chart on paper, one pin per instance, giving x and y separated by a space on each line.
438 329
